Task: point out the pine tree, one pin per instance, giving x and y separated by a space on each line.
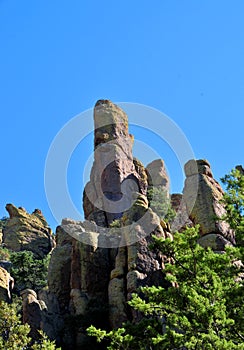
27 271
14 335
234 203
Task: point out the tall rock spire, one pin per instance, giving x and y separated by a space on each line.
203 196
114 177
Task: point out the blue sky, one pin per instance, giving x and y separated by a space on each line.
184 58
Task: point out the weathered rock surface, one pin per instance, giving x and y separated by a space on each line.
51 318
182 220
135 264
214 241
32 311
113 176
60 269
42 312
157 175
24 231
78 278
93 284
203 195
6 285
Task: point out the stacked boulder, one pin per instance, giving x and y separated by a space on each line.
203 195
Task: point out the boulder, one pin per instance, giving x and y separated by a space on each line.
215 241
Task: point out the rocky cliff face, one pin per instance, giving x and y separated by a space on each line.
24 231
98 263
92 284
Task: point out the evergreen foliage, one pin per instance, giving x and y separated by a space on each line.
3 222
234 203
27 271
4 253
160 203
115 224
14 335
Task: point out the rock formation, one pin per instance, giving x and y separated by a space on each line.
93 282
182 220
25 231
78 279
97 264
113 177
157 175
41 312
32 311
6 285
202 195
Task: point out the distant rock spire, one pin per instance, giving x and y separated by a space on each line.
203 195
